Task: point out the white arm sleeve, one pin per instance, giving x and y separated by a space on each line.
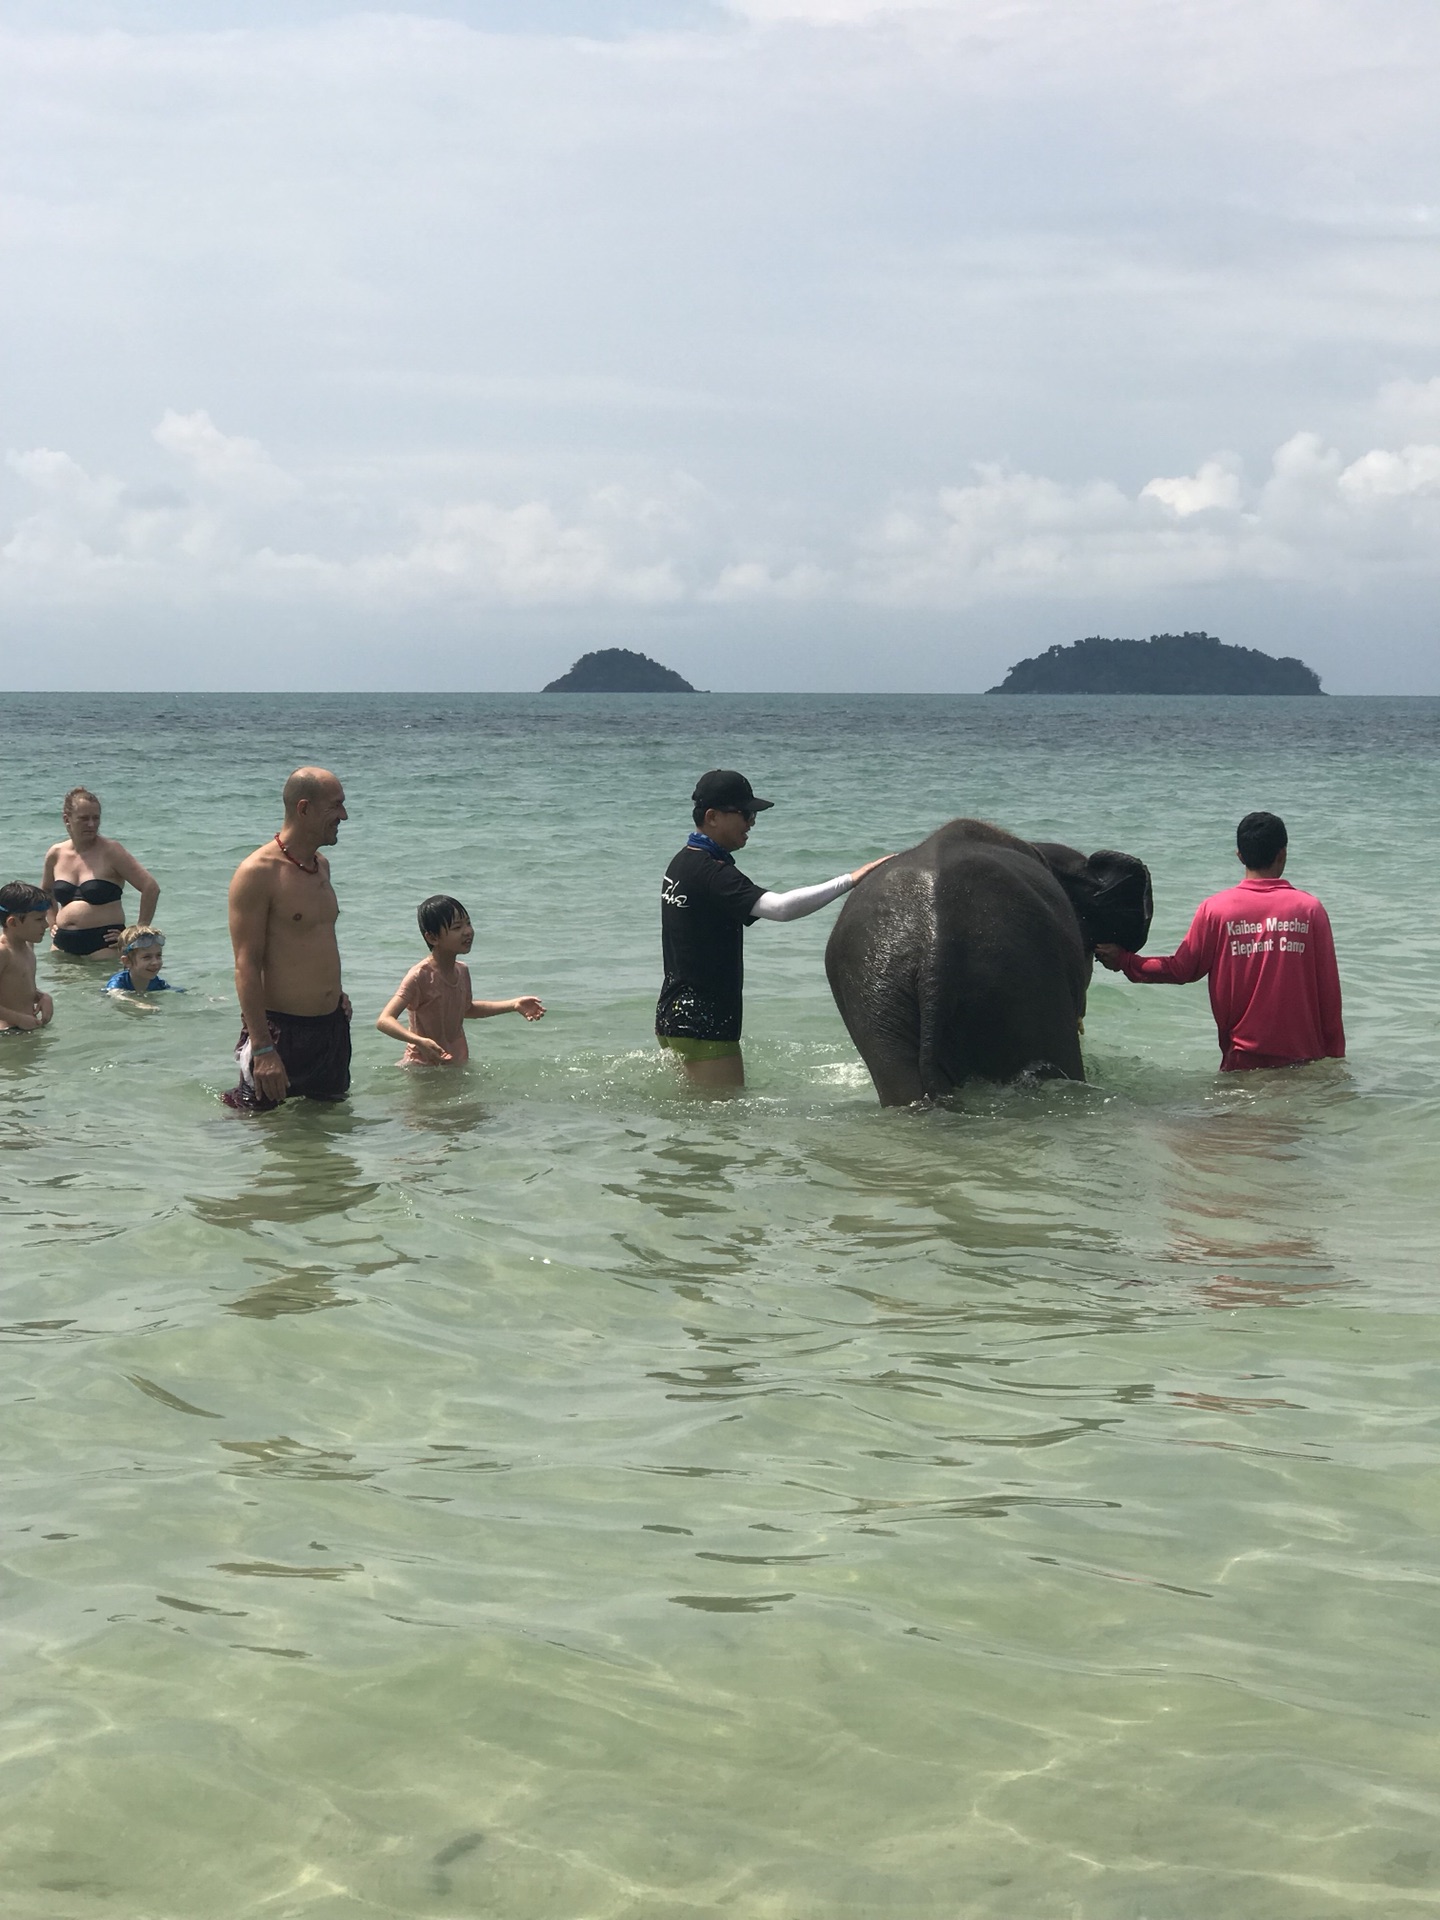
801 900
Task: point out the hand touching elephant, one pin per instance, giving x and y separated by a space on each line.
968 957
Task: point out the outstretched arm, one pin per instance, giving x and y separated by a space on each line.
1191 960
526 1003
800 901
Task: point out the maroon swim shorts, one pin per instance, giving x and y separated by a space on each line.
314 1050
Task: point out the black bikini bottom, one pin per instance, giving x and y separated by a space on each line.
82 940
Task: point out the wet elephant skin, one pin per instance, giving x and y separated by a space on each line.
968 957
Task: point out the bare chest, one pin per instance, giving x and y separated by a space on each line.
94 864
17 971
302 904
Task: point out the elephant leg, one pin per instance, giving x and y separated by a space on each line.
882 1019
1043 1044
980 1024
1062 1060
897 1078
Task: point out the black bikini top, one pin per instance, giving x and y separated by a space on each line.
95 893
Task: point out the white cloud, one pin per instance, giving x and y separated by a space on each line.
1412 472
833 13
757 580
225 528
229 463
948 304
1216 484
1314 520
228 530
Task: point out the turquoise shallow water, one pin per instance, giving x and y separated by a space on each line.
529 1492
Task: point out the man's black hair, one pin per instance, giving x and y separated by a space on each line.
437 913
697 814
1260 838
18 896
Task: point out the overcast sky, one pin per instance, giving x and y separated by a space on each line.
801 343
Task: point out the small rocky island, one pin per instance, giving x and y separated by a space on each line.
1165 663
618 670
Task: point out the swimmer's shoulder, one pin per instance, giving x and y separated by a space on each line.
258 871
420 978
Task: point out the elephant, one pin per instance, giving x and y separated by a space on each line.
967 957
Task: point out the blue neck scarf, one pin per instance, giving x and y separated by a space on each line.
704 844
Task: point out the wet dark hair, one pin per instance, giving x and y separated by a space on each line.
18 896
437 913
1260 838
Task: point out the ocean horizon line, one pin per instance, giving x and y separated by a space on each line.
729 693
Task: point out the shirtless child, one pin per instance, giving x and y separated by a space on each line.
22 922
295 1036
436 993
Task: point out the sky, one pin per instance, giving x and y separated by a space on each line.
802 344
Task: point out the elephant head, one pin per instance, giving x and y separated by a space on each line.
1110 893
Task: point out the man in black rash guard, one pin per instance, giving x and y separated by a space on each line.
706 903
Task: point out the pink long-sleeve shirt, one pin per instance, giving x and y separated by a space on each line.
1274 986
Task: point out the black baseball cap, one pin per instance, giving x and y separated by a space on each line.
727 791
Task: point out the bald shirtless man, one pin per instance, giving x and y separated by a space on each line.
295 1036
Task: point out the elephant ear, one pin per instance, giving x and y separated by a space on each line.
1120 909
1110 893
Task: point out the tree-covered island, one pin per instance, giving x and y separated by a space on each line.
1165 663
618 670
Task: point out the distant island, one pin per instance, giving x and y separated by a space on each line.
617 670
1165 663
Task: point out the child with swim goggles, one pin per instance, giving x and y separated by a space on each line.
436 994
143 951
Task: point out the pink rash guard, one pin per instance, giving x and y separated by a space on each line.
437 1006
1274 986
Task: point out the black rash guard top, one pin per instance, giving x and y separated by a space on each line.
705 906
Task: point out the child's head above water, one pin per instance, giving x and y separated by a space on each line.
20 904
445 924
142 951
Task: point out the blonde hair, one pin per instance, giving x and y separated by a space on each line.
134 937
77 793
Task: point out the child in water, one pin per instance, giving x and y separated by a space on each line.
22 923
436 993
141 949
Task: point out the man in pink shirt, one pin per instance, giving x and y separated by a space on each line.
1270 957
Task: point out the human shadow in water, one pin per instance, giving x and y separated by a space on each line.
303 1175
443 1100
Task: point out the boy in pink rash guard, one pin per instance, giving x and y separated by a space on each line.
436 994
1270 957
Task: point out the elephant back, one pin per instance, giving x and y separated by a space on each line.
960 959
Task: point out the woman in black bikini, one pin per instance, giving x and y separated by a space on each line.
86 875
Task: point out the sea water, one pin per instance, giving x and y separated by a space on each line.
530 1491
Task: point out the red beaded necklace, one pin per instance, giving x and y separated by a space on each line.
314 866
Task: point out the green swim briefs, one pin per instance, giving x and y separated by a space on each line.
698 1049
